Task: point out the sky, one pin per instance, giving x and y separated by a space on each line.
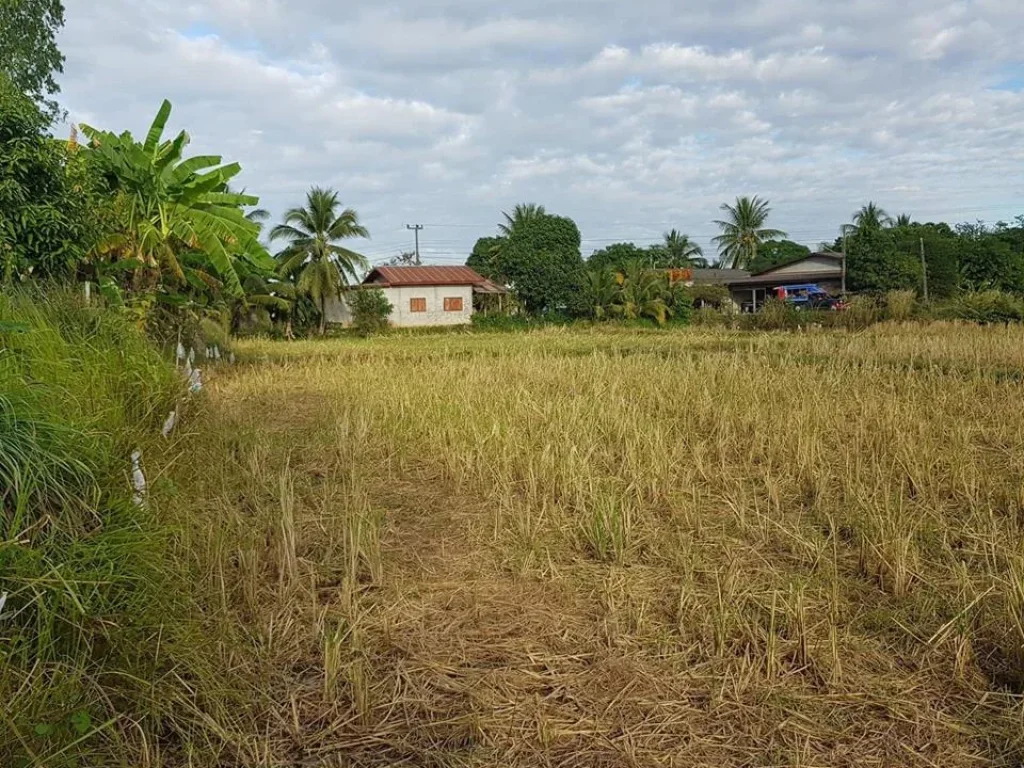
629 117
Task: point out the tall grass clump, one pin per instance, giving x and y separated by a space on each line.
82 567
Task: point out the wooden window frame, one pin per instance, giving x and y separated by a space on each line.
418 304
454 304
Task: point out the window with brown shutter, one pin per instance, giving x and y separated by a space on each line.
453 304
417 305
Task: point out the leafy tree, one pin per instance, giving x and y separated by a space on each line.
177 223
522 215
990 257
875 264
314 257
775 253
370 310
541 262
940 246
47 195
743 231
483 259
679 251
28 31
618 255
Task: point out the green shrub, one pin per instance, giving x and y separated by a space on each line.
710 295
992 306
84 568
370 310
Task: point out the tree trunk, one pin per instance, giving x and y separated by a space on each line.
323 316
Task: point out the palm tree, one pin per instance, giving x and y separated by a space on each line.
682 251
870 218
643 294
320 265
903 220
522 214
744 231
601 289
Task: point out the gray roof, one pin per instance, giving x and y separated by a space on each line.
718 275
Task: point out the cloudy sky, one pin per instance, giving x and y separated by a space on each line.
630 117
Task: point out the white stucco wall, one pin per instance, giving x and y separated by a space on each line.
400 298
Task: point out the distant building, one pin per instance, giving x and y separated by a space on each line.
423 296
750 291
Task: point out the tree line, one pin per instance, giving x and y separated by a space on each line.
167 236
538 254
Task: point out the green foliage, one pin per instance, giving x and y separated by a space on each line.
370 310
743 231
179 229
643 294
600 291
992 257
678 251
483 259
523 215
45 195
636 293
89 587
541 262
940 246
870 218
985 307
618 256
712 295
775 253
31 59
314 258
875 264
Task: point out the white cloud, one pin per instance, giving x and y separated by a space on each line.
649 114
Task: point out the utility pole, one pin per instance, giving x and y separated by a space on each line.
416 228
846 250
924 272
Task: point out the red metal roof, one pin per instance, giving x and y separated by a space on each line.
424 276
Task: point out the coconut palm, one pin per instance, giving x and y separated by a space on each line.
522 214
903 220
601 289
743 231
681 251
320 266
644 293
870 218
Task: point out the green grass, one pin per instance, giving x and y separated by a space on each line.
83 568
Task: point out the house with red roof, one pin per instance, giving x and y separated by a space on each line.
423 295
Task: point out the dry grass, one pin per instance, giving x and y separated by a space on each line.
609 548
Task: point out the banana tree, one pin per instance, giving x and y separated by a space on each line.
167 206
